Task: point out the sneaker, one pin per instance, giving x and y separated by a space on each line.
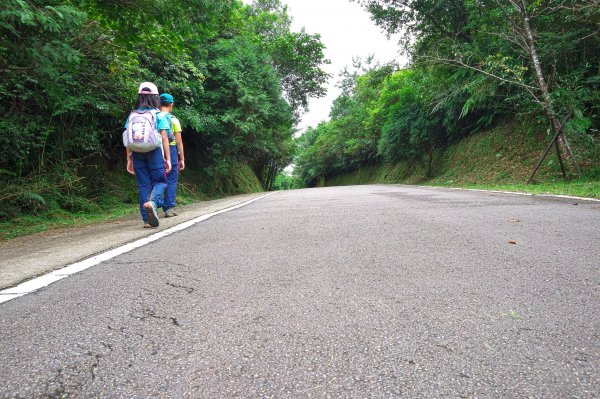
150 209
170 212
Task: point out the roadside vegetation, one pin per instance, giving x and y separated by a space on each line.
479 103
487 160
118 200
69 72
490 85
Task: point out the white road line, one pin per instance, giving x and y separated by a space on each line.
43 281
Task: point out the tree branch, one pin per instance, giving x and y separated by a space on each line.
459 62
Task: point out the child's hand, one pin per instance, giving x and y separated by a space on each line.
168 166
181 165
130 168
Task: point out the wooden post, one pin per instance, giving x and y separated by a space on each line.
542 158
570 153
562 167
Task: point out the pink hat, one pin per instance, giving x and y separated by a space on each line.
148 88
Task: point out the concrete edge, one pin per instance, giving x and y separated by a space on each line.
36 283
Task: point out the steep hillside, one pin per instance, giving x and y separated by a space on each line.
502 157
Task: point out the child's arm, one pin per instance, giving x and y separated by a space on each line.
130 168
180 157
130 162
167 152
176 126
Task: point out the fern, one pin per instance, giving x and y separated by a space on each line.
32 197
7 172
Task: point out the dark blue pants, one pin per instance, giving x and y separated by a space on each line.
150 174
172 179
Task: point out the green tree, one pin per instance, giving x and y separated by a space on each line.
245 112
410 128
296 56
540 54
70 71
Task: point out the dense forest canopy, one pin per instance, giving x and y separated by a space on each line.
473 63
242 78
69 72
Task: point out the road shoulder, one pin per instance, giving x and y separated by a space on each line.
30 256
509 192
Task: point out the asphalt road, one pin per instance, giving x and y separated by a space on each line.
25 257
350 292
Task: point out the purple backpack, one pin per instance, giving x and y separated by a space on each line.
141 134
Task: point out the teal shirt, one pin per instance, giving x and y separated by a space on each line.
167 116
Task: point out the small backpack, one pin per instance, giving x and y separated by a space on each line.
141 134
169 117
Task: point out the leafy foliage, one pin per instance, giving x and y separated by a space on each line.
69 71
472 66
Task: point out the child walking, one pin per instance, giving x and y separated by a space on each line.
148 158
176 150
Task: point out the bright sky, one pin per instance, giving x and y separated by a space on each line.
347 31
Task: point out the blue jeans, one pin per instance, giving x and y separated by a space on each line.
150 174
172 178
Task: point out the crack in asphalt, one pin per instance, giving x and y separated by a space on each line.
148 313
94 365
189 290
327 293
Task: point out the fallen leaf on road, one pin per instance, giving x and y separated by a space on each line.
514 220
512 242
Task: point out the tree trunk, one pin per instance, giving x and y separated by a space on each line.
270 173
274 171
430 153
546 100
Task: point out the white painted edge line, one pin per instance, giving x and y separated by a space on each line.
43 281
518 193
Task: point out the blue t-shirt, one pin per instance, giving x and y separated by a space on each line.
162 122
167 116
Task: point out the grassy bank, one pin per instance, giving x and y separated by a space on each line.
109 196
499 159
